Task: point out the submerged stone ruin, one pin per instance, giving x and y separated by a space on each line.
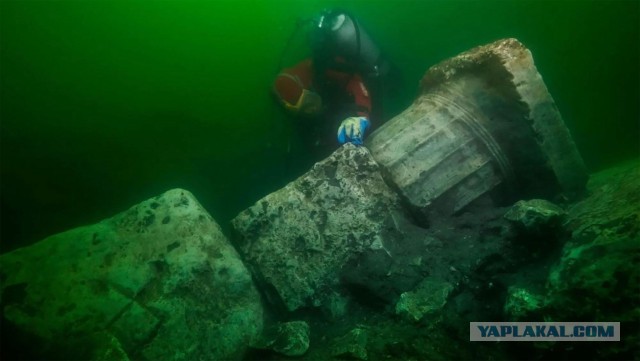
298 239
483 122
471 205
157 282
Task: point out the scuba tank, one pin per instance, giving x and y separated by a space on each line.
338 42
338 33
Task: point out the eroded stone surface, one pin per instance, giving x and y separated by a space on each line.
286 338
600 262
352 345
429 297
521 303
484 120
535 215
160 278
298 239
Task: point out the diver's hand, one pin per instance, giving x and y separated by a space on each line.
352 130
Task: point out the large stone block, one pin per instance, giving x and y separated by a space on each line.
600 261
484 121
160 280
597 277
298 240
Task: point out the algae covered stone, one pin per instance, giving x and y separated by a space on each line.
286 338
521 304
160 278
298 239
352 345
600 262
428 297
535 215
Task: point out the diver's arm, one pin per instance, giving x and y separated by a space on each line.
360 94
354 128
289 82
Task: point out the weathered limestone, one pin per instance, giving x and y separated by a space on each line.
521 304
535 215
428 297
352 345
596 277
287 338
298 239
159 281
484 119
600 262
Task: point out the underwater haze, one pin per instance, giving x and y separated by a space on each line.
107 103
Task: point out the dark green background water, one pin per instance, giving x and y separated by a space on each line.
107 103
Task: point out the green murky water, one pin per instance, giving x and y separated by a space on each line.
107 103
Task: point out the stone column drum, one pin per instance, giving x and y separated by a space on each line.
483 124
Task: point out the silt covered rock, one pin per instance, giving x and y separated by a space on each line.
298 239
286 338
598 278
428 298
535 215
352 345
521 304
159 281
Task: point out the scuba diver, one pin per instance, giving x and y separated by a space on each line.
340 87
